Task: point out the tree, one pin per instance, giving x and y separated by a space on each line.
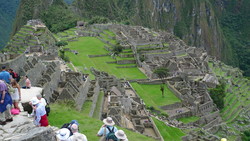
218 94
162 73
61 43
117 49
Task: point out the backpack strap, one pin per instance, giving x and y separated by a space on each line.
109 129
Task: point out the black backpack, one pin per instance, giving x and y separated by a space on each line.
111 135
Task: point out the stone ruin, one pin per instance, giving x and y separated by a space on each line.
34 37
124 106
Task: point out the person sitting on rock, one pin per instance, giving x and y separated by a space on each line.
107 127
63 134
27 83
40 113
16 96
76 135
5 104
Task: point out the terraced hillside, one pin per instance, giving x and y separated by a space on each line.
236 112
29 39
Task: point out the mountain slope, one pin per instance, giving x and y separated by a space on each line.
7 16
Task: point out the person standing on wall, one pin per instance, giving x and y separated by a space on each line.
16 96
5 104
5 75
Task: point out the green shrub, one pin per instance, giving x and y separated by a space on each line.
218 94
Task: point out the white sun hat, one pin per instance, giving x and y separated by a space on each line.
34 101
63 134
108 121
120 135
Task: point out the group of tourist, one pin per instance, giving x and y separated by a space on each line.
10 93
108 132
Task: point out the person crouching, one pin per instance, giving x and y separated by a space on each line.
40 113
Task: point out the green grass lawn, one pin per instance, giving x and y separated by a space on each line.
152 96
168 133
189 119
93 46
61 113
98 105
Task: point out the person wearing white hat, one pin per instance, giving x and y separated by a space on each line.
76 135
223 139
63 134
40 113
121 136
107 127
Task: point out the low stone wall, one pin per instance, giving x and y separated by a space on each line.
176 92
126 66
102 55
12 62
157 132
172 106
126 62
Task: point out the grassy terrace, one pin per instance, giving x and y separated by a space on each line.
151 95
168 133
62 113
189 119
93 46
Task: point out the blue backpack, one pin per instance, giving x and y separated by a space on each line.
111 135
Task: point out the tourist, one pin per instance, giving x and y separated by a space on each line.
68 126
121 136
41 99
16 96
27 83
14 75
223 139
107 128
5 104
4 75
76 135
63 134
40 113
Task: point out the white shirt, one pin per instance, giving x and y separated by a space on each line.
77 136
43 101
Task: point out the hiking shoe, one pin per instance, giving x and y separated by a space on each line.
9 120
2 122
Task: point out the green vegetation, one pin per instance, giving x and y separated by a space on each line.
63 113
245 136
7 15
189 119
168 133
234 22
61 43
93 46
218 94
98 105
151 95
161 73
58 18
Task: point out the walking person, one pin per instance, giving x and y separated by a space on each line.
16 96
5 104
121 136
